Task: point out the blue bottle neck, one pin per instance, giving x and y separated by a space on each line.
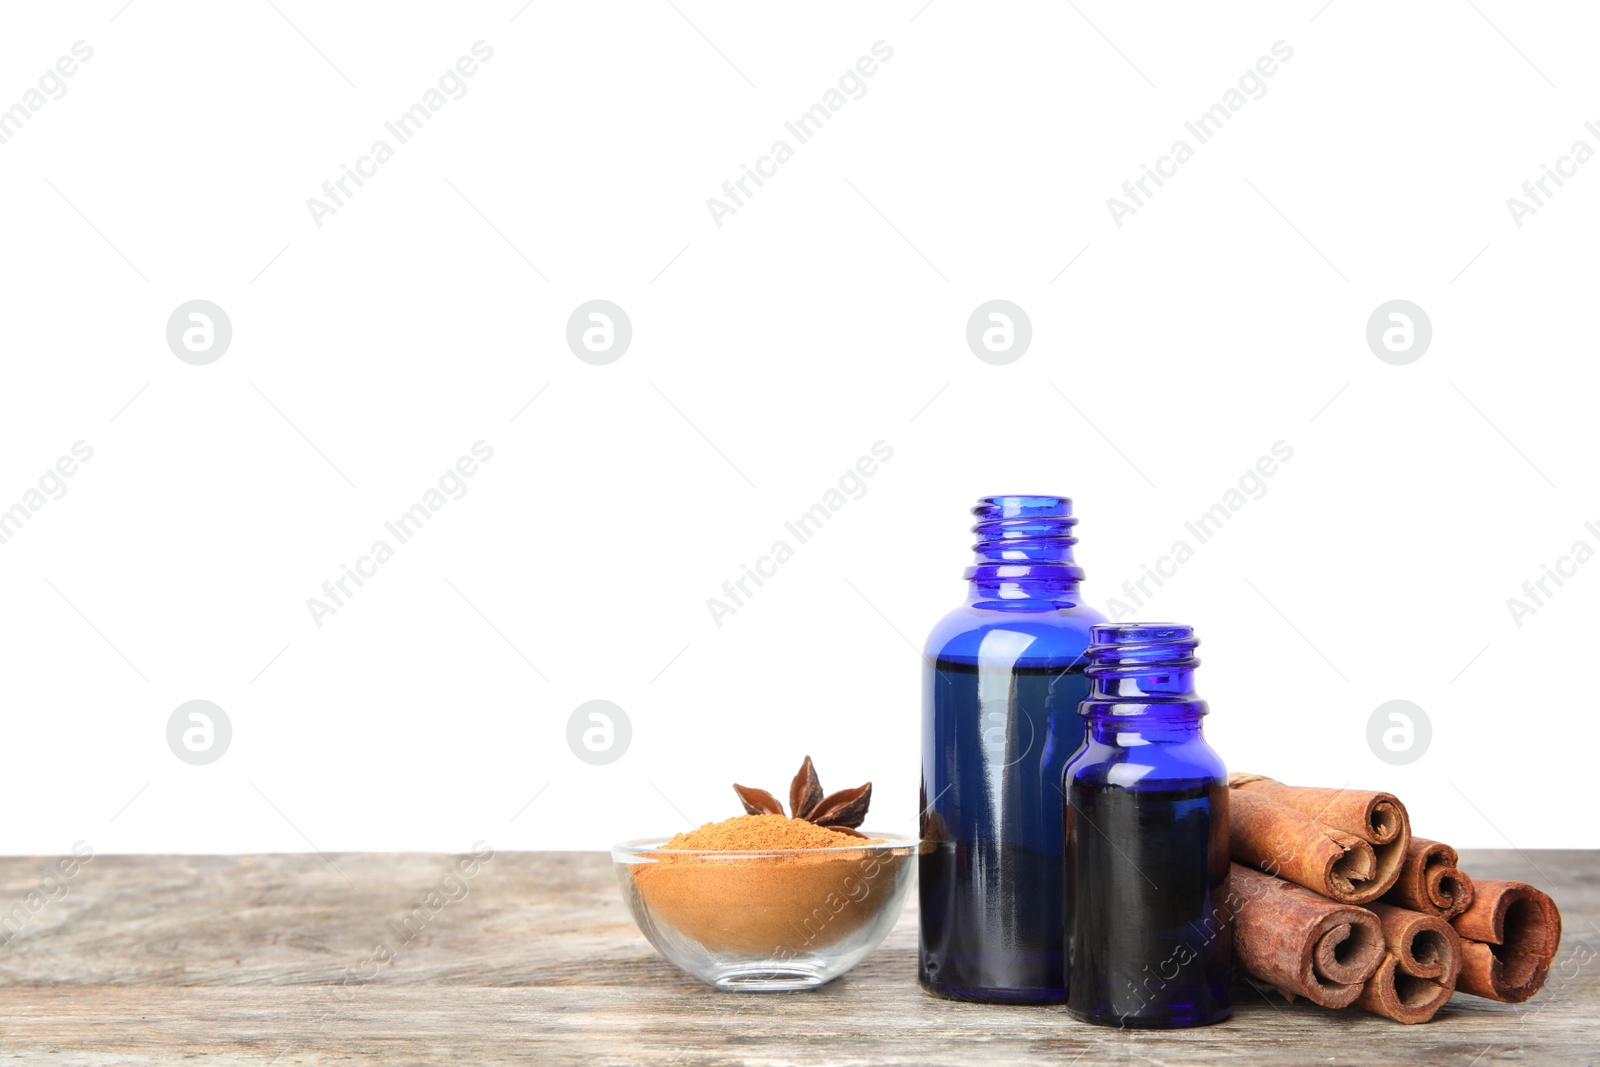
1023 555
1144 723
1022 589
1142 684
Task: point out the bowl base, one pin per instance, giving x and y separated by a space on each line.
767 978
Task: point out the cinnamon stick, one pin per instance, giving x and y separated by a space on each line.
1401 997
1300 942
1431 880
1377 818
1422 959
1510 934
1508 978
1426 946
1512 914
1281 840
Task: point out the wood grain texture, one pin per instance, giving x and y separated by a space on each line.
264 960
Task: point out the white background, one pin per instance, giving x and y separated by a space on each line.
768 354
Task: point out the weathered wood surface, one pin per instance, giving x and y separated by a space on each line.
263 960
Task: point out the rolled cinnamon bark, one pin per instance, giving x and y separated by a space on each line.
1419 968
1431 881
1376 818
1425 946
1300 942
1402 997
1507 977
1281 840
1511 932
1512 914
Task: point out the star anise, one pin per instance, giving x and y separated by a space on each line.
842 811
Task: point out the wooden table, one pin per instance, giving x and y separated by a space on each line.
270 960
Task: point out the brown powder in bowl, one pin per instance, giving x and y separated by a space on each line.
754 833
767 906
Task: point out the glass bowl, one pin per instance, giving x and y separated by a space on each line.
769 921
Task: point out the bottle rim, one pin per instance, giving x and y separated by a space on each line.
1130 649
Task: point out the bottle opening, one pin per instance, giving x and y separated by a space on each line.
1024 537
1126 649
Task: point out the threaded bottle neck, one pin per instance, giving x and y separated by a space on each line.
1144 669
1024 549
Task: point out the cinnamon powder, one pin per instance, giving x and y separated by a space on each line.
752 833
781 905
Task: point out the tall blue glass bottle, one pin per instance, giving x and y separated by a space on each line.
1003 676
1149 928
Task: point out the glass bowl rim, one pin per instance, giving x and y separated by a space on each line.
641 847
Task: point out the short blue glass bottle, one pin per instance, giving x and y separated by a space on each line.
1002 681
1149 939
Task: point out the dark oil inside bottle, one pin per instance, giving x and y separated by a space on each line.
990 875
1150 943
